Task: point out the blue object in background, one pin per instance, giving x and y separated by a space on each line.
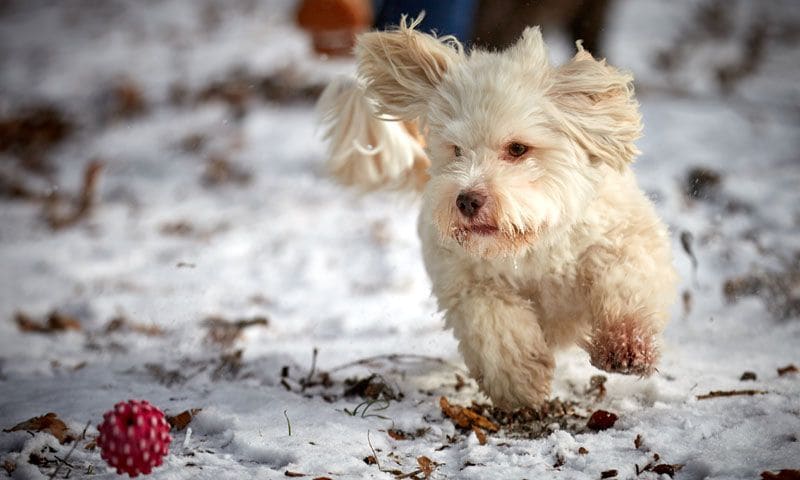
451 17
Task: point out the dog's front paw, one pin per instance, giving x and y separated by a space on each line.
625 346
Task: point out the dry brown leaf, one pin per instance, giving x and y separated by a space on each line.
479 434
29 134
638 441
666 468
601 420
583 451
39 460
121 323
465 417
608 474
426 465
225 333
781 475
791 368
396 434
749 376
9 466
289 473
46 423
182 420
56 322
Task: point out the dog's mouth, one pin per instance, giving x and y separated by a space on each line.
485 230
464 232
489 240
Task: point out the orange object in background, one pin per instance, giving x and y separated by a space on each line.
333 24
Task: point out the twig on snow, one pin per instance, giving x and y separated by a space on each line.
729 393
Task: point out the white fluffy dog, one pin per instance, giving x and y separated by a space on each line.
534 231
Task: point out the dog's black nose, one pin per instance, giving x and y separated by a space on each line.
469 203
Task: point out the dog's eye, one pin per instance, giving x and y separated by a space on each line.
517 149
457 151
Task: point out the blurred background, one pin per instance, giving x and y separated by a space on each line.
167 228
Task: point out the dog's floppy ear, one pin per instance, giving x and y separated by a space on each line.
598 108
531 50
402 67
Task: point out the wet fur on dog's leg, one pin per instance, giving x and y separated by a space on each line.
629 295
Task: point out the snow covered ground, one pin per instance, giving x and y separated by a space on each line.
213 203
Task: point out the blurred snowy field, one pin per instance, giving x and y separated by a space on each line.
212 207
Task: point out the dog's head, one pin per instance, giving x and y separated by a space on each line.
517 146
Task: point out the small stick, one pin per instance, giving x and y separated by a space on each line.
410 474
393 357
307 382
374 455
729 393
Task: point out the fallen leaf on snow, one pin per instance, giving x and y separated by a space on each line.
601 420
123 324
465 417
224 332
426 465
289 473
750 376
56 322
182 420
373 387
608 474
46 423
791 368
666 468
781 475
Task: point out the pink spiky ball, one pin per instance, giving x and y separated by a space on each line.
134 437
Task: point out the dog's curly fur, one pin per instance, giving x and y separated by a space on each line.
558 245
